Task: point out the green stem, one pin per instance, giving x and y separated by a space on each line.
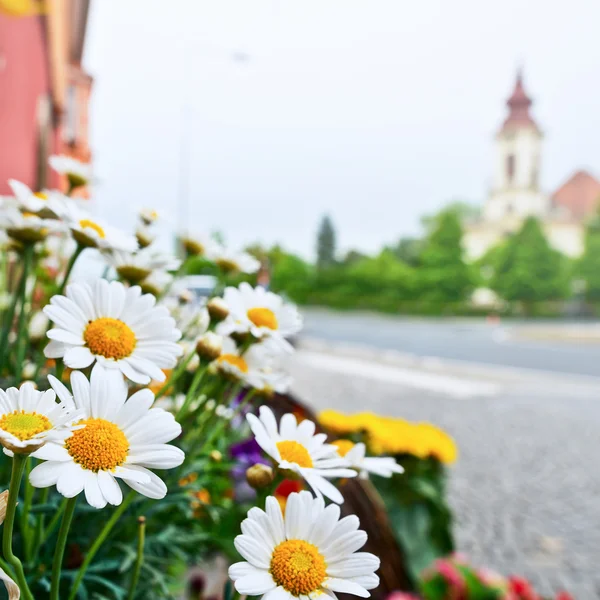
61 544
27 501
38 536
8 321
99 541
70 266
22 332
53 522
174 376
139 558
190 396
18 466
220 426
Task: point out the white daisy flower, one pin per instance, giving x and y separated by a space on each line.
136 266
38 325
306 553
355 454
115 326
296 447
29 418
261 313
91 232
235 262
242 366
149 215
26 227
28 200
77 172
145 235
115 438
200 244
156 283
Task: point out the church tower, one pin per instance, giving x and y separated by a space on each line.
515 192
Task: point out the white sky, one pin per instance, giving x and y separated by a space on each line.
375 111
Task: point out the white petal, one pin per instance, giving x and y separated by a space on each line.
66 337
78 358
52 452
54 349
156 489
46 474
71 480
110 488
344 585
253 551
93 493
256 583
156 456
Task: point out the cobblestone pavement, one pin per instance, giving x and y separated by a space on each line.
526 488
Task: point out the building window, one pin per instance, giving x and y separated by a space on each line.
510 167
70 131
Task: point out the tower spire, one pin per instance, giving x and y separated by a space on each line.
519 104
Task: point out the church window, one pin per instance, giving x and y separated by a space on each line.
510 167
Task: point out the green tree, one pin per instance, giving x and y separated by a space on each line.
464 211
528 269
325 243
444 275
291 275
589 264
408 250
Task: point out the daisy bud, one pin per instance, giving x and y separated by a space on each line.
209 346
29 370
259 476
217 309
193 365
144 236
216 456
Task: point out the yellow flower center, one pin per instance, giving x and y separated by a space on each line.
87 224
234 360
193 247
295 453
41 195
298 567
24 425
28 215
343 446
110 338
99 446
227 265
263 317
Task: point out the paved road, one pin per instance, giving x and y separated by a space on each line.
526 486
466 340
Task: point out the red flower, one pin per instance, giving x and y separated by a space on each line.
522 588
287 486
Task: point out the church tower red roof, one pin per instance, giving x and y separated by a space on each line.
519 104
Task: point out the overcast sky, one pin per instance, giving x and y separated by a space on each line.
375 112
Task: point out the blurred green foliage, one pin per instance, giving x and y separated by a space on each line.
528 269
430 276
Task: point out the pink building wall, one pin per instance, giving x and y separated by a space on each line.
23 81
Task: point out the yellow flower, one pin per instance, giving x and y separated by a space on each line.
387 435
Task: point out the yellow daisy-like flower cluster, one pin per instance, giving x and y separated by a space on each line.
386 435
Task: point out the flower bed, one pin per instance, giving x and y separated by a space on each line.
148 431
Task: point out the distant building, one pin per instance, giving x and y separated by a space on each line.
44 92
516 192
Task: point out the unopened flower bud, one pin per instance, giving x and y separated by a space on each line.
217 309
216 456
209 346
259 476
144 236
